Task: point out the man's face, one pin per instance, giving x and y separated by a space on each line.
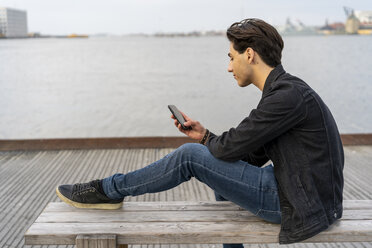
240 67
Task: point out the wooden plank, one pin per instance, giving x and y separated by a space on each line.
188 206
360 214
141 233
93 143
196 232
357 139
345 231
149 216
105 216
156 206
131 142
357 204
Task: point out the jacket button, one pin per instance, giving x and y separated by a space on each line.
335 215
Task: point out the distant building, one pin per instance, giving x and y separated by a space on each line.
352 24
364 16
365 21
295 29
358 22
333 28
13 23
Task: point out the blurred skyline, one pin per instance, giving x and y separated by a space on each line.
152 16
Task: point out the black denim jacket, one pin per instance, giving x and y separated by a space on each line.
293 128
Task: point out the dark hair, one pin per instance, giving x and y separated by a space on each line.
258 35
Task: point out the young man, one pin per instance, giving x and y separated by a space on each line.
291 126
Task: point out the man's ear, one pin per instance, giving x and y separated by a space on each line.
249 54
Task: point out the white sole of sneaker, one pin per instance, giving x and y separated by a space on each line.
106 206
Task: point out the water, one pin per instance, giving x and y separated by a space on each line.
121 86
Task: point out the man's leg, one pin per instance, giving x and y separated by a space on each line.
250 187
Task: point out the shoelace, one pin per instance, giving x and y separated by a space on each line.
84 186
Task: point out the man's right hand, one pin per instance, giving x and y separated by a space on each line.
197 130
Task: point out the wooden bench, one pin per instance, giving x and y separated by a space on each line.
179 223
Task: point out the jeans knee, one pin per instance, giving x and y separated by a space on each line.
192 154
192 149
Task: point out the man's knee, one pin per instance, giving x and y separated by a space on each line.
193 158
192 149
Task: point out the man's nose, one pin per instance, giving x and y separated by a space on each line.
229 67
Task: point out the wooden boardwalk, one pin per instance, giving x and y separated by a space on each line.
28 180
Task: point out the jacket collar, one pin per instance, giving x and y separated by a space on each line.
273 76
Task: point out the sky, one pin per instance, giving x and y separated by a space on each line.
151 16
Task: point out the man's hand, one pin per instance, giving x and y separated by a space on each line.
197 130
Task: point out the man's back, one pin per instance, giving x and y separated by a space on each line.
309 165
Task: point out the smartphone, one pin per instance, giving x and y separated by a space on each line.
179 116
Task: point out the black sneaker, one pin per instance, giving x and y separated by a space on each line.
87 195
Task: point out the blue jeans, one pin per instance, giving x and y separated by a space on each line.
250 187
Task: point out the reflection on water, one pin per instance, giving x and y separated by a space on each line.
109 87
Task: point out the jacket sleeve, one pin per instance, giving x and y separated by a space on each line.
278 111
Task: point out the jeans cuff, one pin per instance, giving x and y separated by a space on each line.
107 188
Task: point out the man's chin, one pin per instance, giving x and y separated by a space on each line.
243 84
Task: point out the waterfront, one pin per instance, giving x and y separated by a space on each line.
121 86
